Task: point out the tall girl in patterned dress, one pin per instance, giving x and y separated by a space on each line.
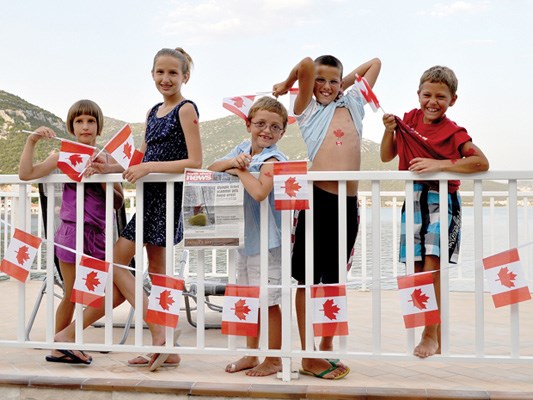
171 144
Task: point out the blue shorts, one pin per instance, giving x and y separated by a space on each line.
427 224
93 242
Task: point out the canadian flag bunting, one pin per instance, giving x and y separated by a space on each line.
418 300
290 185
292 98
122 148
90 283
19 255
73 158
164 302
241 310
239 105
367 92
330 316
506 279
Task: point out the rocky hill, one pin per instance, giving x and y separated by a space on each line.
218 138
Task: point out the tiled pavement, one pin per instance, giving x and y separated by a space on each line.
24 374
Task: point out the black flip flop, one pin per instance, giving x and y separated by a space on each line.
68 357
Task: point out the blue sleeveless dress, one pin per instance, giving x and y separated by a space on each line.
165 141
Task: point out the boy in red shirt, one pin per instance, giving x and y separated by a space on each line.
427 141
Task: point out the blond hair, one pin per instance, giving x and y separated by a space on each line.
269 104
180 54
440 74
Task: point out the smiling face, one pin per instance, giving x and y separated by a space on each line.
85 129
168 75
328 83
266 128
435 98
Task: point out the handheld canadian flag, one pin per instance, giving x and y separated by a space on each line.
122 148
367 92
240 311
165 300
90 283
330 316
290 185
292 98
73 158
20 254
507 282
239 105
419 303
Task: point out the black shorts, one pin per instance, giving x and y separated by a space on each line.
326 237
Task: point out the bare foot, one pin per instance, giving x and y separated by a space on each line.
270 366
242 364
427 347
141 360
317 366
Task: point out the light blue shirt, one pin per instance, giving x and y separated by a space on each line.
251 207
315 119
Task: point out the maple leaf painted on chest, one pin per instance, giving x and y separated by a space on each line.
92 281
507 278
338 133
22 254
291 187
165 300
238 101
127 151
419 299
241 309
75 159
330 309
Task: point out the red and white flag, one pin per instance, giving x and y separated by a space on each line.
73 158
418 300
330 315
292 98
290 185
367 92
90 283
164 302
239 105
20 254
507 282
122 148
241 310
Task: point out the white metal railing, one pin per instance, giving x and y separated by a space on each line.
373 269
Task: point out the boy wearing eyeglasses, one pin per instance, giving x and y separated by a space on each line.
266 122
331 123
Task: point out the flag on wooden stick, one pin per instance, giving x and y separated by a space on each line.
239 105
73 158
122 148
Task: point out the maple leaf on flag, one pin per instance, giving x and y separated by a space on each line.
75 159
92 281
22 254
291 187
330 309
419 299
238 101
165 300
241 309
338 133
507 278
127 151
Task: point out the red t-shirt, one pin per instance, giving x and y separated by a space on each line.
443 139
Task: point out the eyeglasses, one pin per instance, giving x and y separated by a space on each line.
274 128
322 81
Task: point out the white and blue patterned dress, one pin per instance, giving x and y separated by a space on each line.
165 141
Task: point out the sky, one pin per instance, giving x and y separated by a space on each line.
54 53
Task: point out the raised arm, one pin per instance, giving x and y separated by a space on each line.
370 70
304 73
28 170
